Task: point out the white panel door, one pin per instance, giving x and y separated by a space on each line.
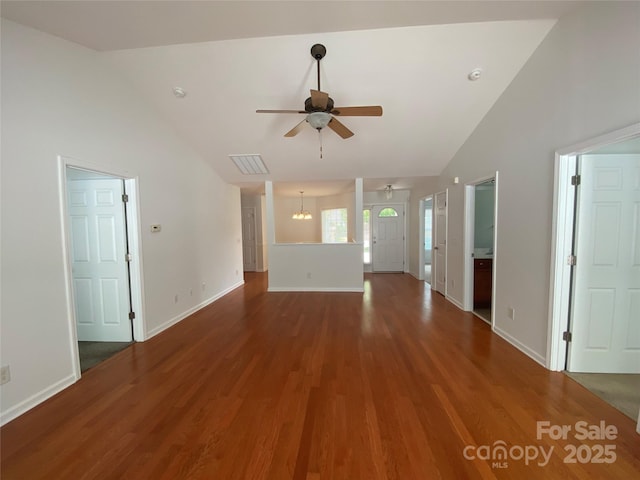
388 238
98 249
606 303
440 248
249 239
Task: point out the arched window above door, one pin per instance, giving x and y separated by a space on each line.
388 212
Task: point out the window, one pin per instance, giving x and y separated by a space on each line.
334 225
388 212
366 235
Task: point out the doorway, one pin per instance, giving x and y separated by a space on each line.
480 232
594 331
102 257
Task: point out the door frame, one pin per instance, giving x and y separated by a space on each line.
562 238
135 248
434 271
421 237
468 242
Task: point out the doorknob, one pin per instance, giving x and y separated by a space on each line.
435 248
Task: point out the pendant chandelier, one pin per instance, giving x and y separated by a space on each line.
302 214
388 192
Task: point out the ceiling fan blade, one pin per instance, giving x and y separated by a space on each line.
368 111
281 111
339 128
319 99
295 130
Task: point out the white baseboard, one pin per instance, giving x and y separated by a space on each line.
57 387
414 275
36 399
455 302
535 356
315 289
160 328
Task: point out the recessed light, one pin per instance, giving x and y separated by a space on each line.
179 92
475 74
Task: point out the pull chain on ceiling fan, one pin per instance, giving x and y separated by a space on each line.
320 111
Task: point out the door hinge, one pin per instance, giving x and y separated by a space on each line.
128 257
132 315
571 260
575 180
125 197
566 336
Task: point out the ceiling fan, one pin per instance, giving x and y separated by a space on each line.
319 109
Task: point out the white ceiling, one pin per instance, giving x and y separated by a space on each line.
232 58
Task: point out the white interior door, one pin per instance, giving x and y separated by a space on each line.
388 238
606 303
249 238
440 248
98 249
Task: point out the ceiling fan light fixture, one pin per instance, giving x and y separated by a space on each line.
388 192
318 120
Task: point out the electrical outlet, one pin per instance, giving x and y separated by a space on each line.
175 299
5 374
204 285
511 313
191 292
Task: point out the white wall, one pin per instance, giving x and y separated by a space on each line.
60 99
315 266
289 230
333 267
581 82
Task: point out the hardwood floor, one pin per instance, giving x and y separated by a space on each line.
395 383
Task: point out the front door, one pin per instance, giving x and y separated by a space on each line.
98 256
388 238
440 248
606 301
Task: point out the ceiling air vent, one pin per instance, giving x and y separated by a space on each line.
250 164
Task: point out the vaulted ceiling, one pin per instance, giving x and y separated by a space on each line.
231 58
